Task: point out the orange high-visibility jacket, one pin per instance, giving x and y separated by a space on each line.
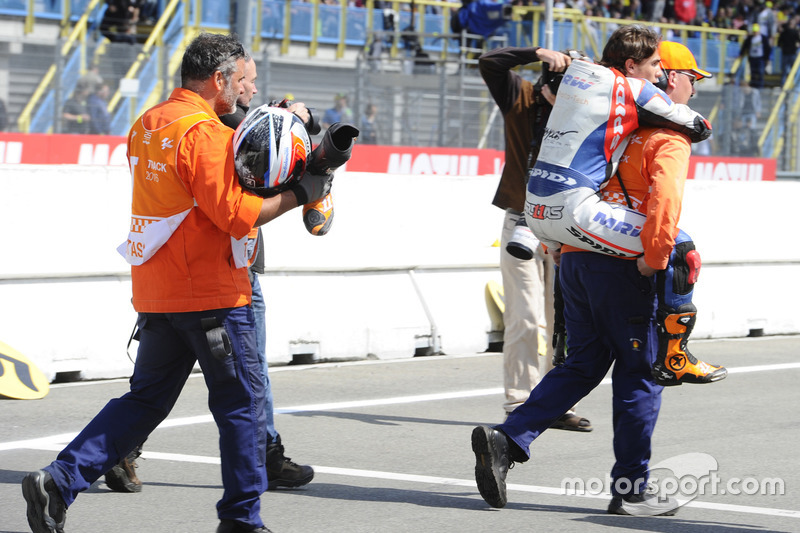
189 212
654 169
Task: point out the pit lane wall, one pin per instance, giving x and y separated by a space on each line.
403 270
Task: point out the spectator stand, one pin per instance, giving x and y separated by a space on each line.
44 107
346 32
780 137
314 23
65 11
151 77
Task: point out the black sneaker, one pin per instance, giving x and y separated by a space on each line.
491 464
647 504
232 526
283 472
122 476
46 509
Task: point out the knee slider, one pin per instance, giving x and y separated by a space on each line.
686 267
693 263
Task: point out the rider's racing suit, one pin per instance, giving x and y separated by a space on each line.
596 110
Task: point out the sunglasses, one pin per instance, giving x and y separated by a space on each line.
692 77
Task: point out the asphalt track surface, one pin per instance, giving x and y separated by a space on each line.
390 442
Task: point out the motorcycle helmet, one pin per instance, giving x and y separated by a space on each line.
270 147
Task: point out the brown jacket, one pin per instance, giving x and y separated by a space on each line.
524 111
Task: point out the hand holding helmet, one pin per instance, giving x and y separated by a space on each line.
272 154
312 126
311 187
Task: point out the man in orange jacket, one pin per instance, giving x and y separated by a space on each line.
610 311
191 289
281 470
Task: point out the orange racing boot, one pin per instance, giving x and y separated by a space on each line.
318 216
674 364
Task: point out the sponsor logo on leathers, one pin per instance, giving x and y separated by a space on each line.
594 245
552 176
619 226
574 81
542 212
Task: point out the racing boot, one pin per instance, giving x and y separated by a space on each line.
674 364
318 216
122 476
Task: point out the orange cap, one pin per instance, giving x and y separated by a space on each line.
675 56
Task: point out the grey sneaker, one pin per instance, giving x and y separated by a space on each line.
647 504
491 464
47 512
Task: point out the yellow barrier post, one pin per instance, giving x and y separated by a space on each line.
29 18
315 29
287 27
342 30
259 25
66 13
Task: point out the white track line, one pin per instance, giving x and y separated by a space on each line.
469 483
56 442
39 443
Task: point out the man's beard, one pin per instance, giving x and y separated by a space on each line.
229 100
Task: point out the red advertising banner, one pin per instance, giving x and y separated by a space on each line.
732 168
40 149
43 149
418 160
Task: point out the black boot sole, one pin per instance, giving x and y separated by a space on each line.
37 505
487 475
273 484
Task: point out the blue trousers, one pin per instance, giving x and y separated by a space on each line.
609 310
169 345
260 312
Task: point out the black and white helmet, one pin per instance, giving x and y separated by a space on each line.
270 147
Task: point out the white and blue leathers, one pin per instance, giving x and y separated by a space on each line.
596 110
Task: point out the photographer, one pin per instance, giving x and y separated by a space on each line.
528 284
